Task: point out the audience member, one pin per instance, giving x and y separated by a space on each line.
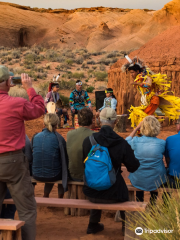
50 160
172 154
149 150
120 152
8 210
14 168
75 140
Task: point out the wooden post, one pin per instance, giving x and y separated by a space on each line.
18 234
73 196
131 196
7 235
121 123
67 195
80 195
130 234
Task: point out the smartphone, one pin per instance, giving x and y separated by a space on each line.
16 81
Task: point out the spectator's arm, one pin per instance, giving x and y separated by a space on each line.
87 99
71 101
166 154
113 103
34 108
129 160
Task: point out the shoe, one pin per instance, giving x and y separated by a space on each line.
95 228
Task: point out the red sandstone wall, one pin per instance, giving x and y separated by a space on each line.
127 95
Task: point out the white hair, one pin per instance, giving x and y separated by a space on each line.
109 122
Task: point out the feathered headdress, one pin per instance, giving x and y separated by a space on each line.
131 63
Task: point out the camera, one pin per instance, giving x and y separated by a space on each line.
16 81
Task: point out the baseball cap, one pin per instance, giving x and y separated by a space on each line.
4 73
108 114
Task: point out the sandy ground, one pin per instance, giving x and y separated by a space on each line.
52 224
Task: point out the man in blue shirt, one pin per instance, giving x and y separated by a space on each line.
172 154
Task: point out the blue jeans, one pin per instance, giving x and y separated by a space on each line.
8 211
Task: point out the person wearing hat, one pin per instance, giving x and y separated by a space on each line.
53 96
14 166
109 101
120 152
172 153
77 99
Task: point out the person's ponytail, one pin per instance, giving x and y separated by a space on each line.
51 120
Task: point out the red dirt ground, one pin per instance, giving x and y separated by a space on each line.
52 224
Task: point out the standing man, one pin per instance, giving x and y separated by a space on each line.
14 166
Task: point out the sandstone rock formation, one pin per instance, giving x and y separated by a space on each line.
161 54
94 28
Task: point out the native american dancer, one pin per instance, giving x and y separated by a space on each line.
155 93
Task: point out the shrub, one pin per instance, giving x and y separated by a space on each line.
16 54
70 85
101 76
96 53
48 66
92 62
79 60
78 75
65 100
102 67
90 89
162 215
94 67
86 80
51 55
86 55
69 61
18 91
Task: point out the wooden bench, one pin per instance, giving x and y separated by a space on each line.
10 229
133 207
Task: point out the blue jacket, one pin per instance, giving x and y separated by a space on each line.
151 173
109 102
46 155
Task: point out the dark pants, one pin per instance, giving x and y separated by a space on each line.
48 186
8 211
95 215
140 196
14 175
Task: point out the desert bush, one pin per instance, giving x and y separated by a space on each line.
92 62
18 91
105 61
65 100
69 61
113 54
160 216
113 60
48 66
101 76
96 53
78 75
16 54
90 89
102 67
79 60
86 55
86 80
39 69
17 71
94 67
51 55
70 85
41 75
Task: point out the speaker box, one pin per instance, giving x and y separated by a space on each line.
100 96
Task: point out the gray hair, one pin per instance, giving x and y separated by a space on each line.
109 122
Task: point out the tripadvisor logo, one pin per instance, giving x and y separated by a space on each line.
139 231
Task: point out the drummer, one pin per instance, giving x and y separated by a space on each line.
53 96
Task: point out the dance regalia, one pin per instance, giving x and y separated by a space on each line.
154 96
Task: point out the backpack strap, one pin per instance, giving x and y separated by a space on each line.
92 140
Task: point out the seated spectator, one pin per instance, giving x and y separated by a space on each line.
120 152
75 140
172 154
149 150
50 159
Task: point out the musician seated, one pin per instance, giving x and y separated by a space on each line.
77 99
53 96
